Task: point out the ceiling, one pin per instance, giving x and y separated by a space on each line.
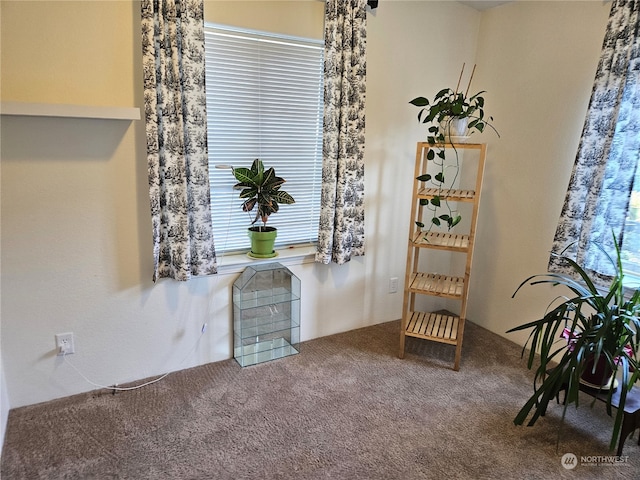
483 4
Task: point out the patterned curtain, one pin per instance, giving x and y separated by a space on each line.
175 111
602 179
341 231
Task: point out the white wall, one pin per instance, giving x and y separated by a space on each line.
4 405
410 52
4 393
76 234
300 18
537 61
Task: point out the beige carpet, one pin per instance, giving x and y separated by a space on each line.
345 408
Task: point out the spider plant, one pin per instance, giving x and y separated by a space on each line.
599 325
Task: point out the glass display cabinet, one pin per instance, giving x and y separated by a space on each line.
266 314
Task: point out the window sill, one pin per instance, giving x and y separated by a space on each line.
293 255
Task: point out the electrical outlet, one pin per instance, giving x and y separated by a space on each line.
393 285
64 343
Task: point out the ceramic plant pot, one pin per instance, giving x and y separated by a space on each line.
601 377
262 240
455 128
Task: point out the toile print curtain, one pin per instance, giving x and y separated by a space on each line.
341 230
175 113
602 179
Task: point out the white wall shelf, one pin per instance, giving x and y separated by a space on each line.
69 111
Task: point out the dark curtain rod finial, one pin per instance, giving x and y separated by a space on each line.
372 3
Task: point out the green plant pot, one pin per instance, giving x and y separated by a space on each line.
262 240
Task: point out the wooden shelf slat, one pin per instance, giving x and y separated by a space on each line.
437 285
453 195
461 146
440 240
438 327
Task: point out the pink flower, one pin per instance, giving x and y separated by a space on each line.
571 338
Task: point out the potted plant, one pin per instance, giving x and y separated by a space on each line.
454 117
598 330
261 188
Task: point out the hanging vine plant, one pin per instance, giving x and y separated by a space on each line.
453 116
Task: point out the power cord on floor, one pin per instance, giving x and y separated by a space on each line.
115 388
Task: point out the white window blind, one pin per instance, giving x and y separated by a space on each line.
264 100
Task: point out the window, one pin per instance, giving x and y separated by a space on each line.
264 100
630 252
608 154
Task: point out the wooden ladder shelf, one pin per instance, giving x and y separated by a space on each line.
440 326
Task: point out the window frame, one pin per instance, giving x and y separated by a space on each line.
225 202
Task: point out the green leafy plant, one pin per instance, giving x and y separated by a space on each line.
447 106
261 188
444 113
596 325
